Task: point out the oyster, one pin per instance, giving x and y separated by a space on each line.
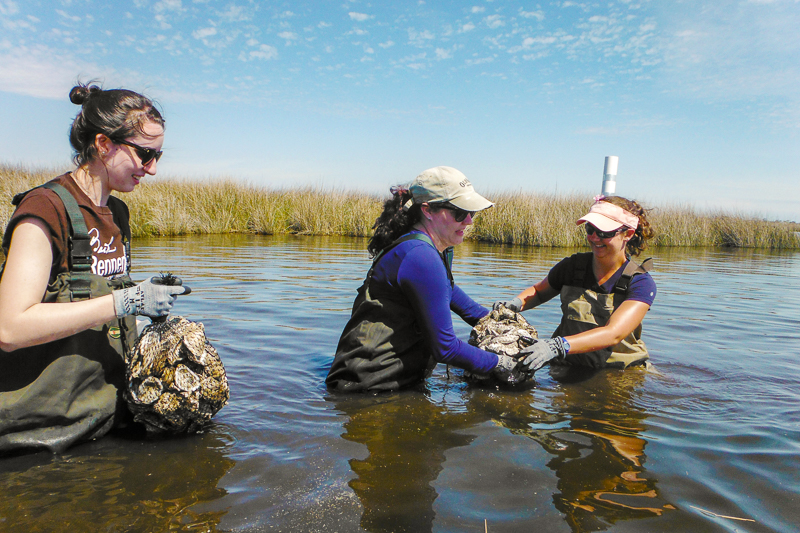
503 332
175 378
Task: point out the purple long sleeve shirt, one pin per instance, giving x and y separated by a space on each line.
414 270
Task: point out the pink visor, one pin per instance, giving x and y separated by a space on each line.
606 216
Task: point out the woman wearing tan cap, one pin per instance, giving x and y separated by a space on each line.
401 324
604 293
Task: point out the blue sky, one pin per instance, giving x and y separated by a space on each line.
700 100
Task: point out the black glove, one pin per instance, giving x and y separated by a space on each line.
542 351
508 371
514 304
149 298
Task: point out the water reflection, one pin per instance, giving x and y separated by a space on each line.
600 460
588 422
406 436
117 485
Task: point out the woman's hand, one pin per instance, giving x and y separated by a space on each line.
542 352
147 298
508 371
515 304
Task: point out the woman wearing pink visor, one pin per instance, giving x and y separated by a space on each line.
604 293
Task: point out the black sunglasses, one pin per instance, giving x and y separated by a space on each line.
459 215
145 154
591 230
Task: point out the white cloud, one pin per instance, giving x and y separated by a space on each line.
288 35
8 8
478 9
494 21
538 15
418 38
360 17
9 24
387 44
479 61
441 53
71 18
324 25
204 33
162 22
235 13
528 43
168 5
264 51
469 26
43 72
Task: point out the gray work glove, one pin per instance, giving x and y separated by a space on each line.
147 298
508 371
514 304
539 353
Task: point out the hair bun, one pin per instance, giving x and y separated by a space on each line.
80 93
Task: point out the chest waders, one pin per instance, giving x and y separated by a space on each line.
584 309
382 347
57 394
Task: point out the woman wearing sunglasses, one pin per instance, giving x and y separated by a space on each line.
605 294
401 325
67 303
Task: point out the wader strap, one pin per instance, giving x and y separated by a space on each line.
80 244
447 255
624 281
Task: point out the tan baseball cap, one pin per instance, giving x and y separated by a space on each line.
446 184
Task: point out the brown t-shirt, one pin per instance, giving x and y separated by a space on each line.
108 251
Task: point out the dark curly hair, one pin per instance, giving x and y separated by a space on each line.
644 232
395 220
117 113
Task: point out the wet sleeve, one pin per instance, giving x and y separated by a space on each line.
423 279
468 309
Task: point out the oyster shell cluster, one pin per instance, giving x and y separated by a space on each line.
175 378
503 332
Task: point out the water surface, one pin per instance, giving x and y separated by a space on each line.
707 442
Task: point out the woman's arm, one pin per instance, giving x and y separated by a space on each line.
465 307
423 279
623 321
24 319
537 294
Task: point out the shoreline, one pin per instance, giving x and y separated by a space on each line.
179 206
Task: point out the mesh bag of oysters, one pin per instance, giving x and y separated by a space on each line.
503 332
175 378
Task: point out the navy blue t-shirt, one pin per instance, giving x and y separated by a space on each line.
642 287
414 270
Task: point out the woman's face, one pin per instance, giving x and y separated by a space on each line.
610 246
124 162
444 228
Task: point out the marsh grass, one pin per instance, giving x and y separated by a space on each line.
182 206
